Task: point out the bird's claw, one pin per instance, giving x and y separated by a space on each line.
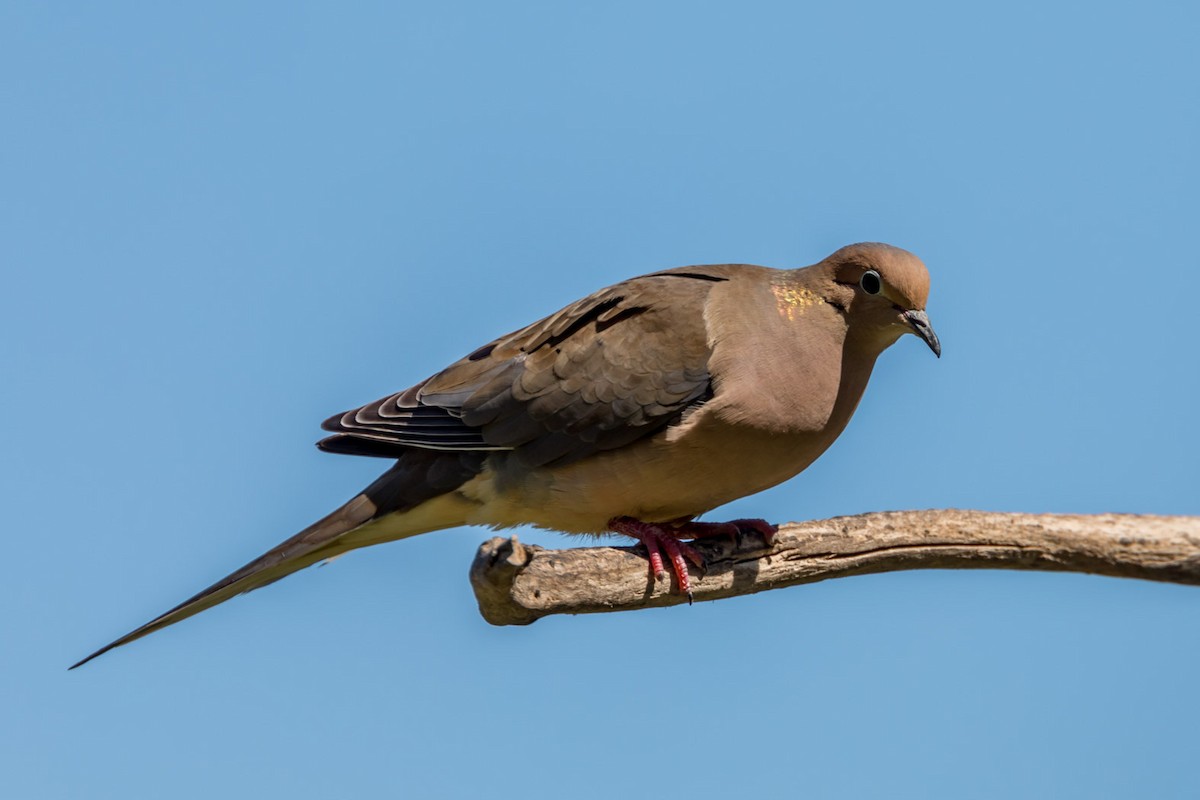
659 538
733 529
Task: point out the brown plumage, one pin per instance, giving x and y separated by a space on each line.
634 409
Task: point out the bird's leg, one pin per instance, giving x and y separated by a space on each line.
657 538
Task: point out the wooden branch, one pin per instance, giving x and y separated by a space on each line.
517 584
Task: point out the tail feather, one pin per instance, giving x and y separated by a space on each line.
317 542
414 496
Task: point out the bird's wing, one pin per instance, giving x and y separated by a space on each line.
599 374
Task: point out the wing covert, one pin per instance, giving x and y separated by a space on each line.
602 372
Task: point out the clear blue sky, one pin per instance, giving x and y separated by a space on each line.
220 224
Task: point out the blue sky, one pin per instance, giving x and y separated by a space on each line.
221 224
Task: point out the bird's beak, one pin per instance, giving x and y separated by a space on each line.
920 323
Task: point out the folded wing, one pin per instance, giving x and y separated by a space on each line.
614 367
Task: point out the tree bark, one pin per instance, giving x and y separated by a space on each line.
517 584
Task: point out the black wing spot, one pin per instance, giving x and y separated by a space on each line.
579 323
482 352
623 315
700 276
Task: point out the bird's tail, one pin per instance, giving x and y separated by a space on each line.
366 519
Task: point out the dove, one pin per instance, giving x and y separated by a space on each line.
632 411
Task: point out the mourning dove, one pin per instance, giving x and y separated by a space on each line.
633 410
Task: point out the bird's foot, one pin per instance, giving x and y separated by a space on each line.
658 538
689 529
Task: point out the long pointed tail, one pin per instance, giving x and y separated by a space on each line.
315 543
382 502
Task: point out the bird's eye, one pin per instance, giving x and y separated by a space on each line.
870 282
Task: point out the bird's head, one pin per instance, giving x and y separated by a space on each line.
882 291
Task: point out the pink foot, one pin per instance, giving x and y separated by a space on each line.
704 530
659 537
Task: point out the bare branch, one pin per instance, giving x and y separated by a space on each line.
517 584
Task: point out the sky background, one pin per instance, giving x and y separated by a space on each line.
220 224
